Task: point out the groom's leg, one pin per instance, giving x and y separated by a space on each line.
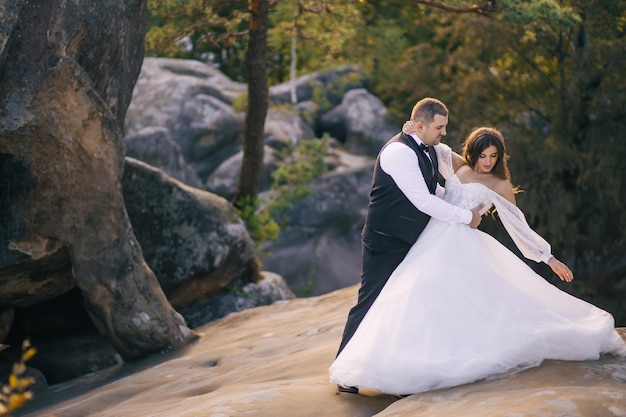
381 254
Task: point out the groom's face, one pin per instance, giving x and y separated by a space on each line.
432 133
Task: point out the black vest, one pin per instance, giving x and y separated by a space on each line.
389 211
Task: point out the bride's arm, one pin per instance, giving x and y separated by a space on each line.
531 244
505 189
457 161
445 160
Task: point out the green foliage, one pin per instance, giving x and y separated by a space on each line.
299 166
321 29
216 32
385 30
240 103
259 223
539 14
208 31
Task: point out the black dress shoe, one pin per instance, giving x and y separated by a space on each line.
349 390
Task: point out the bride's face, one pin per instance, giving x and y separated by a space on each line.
487 160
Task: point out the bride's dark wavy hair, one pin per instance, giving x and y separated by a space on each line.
480 139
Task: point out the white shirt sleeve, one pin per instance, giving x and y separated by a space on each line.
400 162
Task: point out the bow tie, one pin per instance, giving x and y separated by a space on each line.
422 147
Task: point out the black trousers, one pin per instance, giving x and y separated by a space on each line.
381 254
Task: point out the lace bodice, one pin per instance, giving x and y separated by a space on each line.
469 195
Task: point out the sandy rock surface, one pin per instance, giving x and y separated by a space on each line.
273 361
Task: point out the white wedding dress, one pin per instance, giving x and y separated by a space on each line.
462 307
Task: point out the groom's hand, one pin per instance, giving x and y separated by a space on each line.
476 217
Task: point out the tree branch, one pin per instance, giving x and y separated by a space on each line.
488 6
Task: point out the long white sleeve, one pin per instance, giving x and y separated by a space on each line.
444 159
400 162
529 242
531 245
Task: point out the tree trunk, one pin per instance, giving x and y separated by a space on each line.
256 66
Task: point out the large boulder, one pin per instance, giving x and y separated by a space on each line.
155 146
242 295
195 243
66 76
192 101
360 122
285 127
326 87
224 180
192 239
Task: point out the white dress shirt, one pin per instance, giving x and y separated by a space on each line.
400 162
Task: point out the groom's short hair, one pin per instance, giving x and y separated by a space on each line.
425 110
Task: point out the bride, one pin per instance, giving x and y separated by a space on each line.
461 306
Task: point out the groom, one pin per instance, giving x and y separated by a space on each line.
402 201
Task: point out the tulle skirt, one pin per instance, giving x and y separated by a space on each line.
462 307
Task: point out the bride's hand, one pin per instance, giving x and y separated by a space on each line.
561 270
408 127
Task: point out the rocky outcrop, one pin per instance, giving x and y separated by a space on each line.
193 240
359 122
68 345
331 101
155 146
223 181
240 296
66 77
273 361
193 102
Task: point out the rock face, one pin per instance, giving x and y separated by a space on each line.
359 122
66 76
193 102
193 240
273 361
333 101
155 146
